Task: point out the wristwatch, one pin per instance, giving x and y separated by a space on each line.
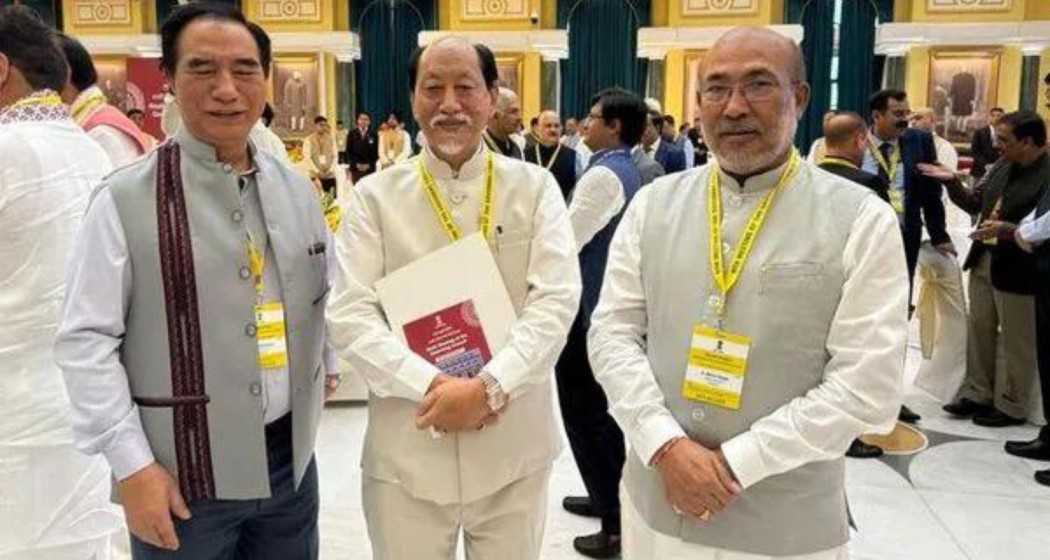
497 399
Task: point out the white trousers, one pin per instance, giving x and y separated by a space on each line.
507 525
640 542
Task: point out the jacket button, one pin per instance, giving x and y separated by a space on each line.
227 168
698 415
237 216
246 273
255 389
249 329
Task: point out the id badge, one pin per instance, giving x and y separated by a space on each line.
717 366
273 346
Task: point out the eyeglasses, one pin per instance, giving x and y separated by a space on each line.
757 90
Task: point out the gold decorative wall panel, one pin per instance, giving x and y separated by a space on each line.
719 7
102 12
963 6
290 10
495 9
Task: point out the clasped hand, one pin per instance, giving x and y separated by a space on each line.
697 480
454 404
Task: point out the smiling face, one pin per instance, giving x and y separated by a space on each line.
219 82
451 102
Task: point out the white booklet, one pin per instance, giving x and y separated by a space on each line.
450 306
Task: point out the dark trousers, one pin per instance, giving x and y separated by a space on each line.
597 442
328 186
357 174
282 527
1042 335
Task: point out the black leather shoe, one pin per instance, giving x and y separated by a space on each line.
598 545
1043 477
1036 449
996 419
964 407
860 450
579 505
907 415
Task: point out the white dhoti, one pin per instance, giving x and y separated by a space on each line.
941 311
507 525
640 542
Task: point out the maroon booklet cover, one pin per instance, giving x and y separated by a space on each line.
451 339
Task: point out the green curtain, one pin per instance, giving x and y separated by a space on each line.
389 32
603 50
817 18
50 10
860 70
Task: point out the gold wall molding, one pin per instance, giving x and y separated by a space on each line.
692 8
289 10
965 6
102 12
495 9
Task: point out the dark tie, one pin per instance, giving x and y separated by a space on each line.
886 149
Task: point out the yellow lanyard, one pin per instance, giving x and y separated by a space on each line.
86 105
441 208
550 163
257 264
895 158
839 161
727 279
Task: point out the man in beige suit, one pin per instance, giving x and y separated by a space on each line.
487 474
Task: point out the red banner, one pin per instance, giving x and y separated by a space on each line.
145 86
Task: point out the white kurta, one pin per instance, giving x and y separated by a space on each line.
54 501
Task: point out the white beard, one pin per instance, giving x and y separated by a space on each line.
746 164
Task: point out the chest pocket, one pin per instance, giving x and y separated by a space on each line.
512 250
784 278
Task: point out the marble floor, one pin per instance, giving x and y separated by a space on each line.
960 498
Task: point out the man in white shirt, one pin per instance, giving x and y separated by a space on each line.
121 139
583 151
713 291
618 118
320 149
54 501
923 119
420 492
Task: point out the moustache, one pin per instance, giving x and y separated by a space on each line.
901 124
441 120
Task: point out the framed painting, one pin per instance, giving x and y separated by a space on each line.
690 108
297 94
113 80
511 69
963 87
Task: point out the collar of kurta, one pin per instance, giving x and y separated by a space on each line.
87 103
470 169
40 106
204 153
756 183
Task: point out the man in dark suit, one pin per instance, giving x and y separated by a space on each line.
894 153
845 140
647 166
669 156
1033 236
552 154
1002 277
362 148
985 145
